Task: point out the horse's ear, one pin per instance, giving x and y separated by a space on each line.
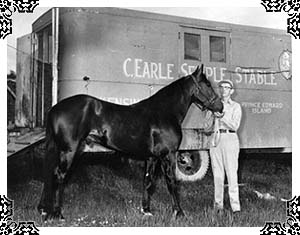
197 72
201 69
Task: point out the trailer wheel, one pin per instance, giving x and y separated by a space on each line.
191 165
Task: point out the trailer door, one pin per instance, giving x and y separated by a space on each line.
24 82
203 46
42 72
44 68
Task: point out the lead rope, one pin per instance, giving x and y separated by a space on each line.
216 135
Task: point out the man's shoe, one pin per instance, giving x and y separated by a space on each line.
218 211
236 213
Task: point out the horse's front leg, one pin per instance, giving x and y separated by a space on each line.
169 166
148 185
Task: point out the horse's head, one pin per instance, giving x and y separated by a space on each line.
203 93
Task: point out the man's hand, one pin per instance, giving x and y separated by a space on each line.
218 114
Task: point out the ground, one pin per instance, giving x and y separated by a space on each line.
108 192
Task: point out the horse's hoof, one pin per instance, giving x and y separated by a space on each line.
44 216
49 217
146 213
59 217
41 209
177 214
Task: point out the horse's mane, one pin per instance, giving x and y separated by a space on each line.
175 88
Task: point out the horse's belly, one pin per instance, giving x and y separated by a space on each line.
101 141
96 148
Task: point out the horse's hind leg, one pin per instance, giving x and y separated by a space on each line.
148 184
55 175
45 206
60 173
168 166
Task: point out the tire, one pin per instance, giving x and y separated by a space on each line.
191 165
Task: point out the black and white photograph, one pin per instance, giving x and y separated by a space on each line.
166 116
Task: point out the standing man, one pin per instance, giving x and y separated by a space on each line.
224 152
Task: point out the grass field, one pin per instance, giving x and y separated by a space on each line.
103 195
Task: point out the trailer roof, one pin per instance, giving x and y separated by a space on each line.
45 19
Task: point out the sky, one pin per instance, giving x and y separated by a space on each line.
254 16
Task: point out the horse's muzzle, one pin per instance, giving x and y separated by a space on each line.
217 106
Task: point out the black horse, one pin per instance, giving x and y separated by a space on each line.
149 130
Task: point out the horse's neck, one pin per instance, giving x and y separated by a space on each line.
185 100
179 100
174 100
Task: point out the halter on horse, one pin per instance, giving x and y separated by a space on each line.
149 130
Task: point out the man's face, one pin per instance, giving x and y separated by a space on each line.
225 90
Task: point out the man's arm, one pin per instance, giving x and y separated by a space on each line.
233 121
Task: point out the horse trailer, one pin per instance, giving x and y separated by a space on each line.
123 56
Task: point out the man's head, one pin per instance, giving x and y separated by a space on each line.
226 88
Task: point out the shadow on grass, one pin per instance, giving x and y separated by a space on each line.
107 191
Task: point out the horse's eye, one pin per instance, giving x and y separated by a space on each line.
208 84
